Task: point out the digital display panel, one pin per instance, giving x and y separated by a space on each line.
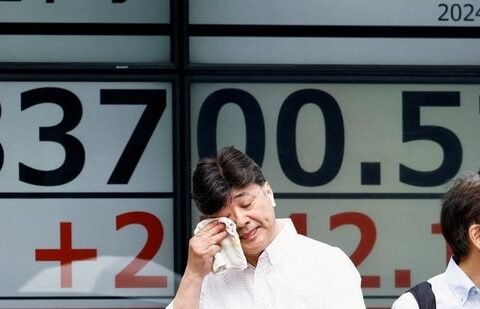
87 194
361 166
119 32
343 32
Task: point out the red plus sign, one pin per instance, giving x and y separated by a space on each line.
65 254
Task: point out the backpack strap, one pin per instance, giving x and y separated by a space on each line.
424 295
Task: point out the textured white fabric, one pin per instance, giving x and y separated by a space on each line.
294 272
230 256
453 289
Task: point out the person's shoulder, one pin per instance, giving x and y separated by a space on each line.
317 245
323 253
408 301
312 241
405 301
438 279
307 248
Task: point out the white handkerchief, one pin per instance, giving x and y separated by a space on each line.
230 256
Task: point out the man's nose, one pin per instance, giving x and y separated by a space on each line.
240 218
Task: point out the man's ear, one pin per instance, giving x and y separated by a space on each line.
267 187
269 192
474 235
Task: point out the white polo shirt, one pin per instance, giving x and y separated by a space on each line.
294 271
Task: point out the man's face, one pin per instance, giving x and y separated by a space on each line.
252 211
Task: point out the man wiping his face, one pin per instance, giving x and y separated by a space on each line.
284 269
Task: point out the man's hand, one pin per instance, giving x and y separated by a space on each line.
202 248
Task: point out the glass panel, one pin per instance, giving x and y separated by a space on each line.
87 31
351 162
86 186
333 51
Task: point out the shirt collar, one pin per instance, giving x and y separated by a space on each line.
276 250
458 281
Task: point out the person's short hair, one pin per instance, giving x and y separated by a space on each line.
460 209
214 178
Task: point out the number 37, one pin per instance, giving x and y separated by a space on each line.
153 99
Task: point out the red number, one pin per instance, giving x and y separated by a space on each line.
300 222
128 277
368 236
